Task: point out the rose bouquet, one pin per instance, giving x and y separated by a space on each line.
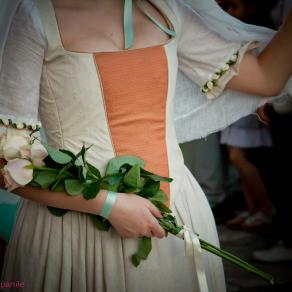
61 170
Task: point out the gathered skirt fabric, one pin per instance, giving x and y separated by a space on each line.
50 253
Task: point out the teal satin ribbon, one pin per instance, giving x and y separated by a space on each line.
128 24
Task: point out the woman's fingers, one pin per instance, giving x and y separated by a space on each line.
134 216
154 210
157 231
155 228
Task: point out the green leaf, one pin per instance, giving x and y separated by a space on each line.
115 163
111 182
58 155
71 154
169 224
136 260
91 191
58 186
93 171
132 177
62 173
160 196
34 184
100 222
82 172
78 162
131 190
57 211
151 188
73 187
144 249
155 177
44 178
163 208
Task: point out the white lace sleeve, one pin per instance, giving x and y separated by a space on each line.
210 39
204 56
21 66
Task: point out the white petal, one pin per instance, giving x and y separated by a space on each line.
18 171
38 151
12 146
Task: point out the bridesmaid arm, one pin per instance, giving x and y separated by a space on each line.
58 199
267 74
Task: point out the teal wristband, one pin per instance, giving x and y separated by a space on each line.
108 204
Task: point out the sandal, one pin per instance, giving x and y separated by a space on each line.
236 222
258 219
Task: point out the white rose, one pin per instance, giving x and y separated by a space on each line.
15 144
16 173
38 154
225 67
210 84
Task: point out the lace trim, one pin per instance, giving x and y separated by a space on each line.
215 79
9 121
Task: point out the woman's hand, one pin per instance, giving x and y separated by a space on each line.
134 216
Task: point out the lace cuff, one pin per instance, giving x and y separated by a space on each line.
10 121
217 82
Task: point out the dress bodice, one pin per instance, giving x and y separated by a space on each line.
120 103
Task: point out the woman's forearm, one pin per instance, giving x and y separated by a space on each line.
276 59
59 199
267 73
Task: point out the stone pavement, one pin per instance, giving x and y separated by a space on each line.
242 244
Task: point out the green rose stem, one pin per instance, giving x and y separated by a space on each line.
172 228
236 260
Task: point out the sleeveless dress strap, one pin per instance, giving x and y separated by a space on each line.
128 24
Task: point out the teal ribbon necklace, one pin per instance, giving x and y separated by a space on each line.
128 24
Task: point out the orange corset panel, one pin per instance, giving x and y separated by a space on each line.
135 84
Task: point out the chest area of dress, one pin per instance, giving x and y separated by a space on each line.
137 79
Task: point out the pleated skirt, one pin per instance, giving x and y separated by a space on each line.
50 254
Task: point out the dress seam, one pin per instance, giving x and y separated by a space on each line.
55 104
165 122
104 105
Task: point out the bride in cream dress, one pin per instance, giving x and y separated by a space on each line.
64 63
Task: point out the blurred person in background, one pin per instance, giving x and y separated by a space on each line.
279 117
248 135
